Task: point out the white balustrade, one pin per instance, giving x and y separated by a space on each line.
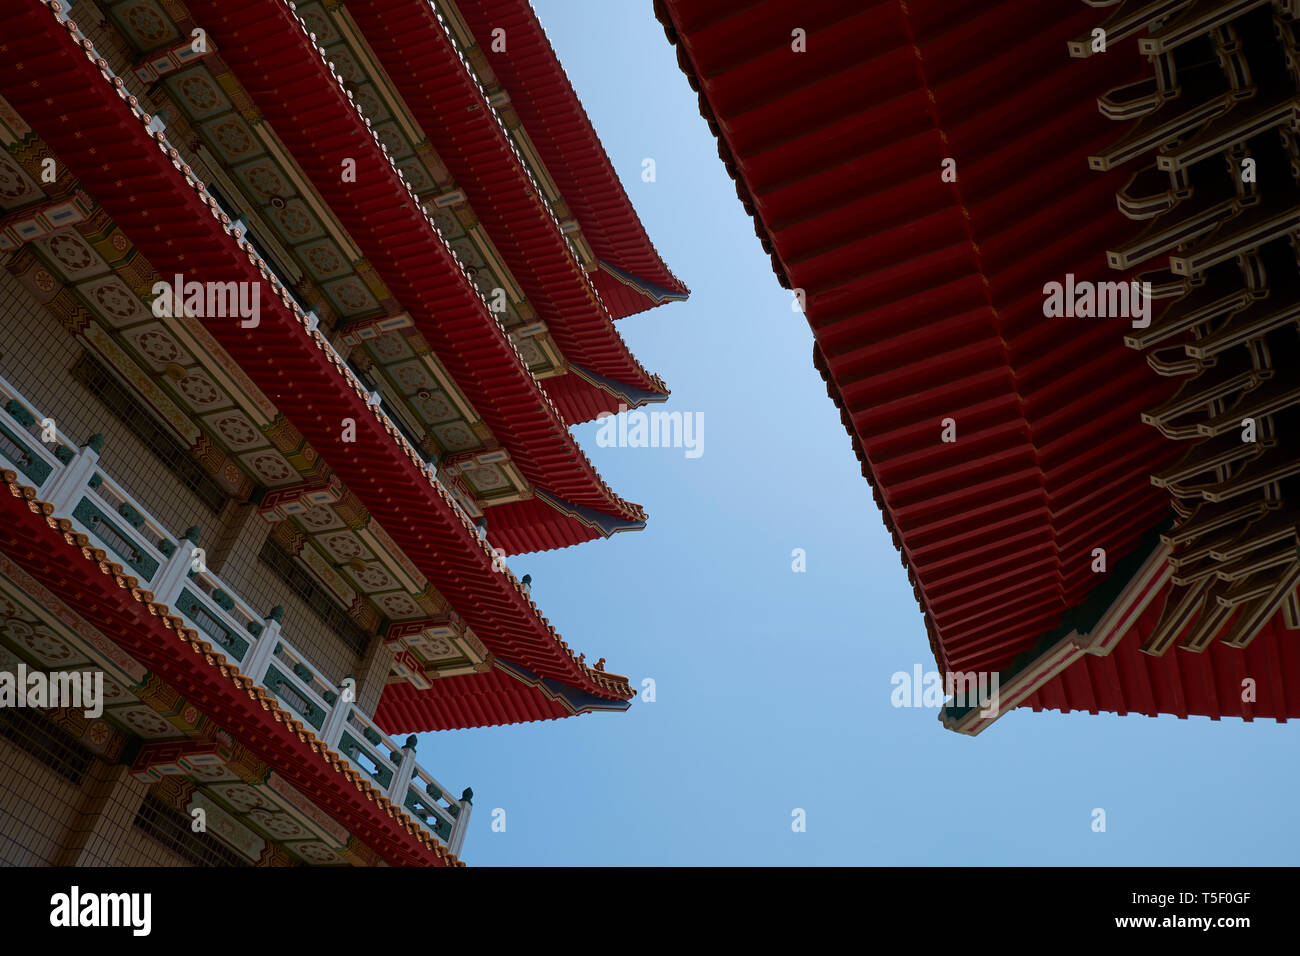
433 805
69 477
41 464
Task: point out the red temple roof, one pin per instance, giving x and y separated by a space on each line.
1209 684
925 296
498 696
313 116
633 277
462 127
152 197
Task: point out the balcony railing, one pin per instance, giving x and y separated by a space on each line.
69 477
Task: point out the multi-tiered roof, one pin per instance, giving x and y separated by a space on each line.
435 269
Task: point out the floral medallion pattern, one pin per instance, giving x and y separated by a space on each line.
456 437
412 376
351 295
199 391
271 468
16 188
146 723
72 254
111 298
232 137
398 605
236 430
433 406
148 24
158 347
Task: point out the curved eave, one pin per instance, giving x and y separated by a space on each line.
547 523
271 55
1179 683
1094 662
655 293
624 393
925 297
567 143
102 592
149 195
507 694
603 524
461 126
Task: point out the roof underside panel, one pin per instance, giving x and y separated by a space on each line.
569 147
926 296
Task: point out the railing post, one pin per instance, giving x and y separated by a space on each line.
259 658
405 771
461 825
331 732
70 483
169 581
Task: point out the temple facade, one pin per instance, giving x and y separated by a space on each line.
1048 254
298 303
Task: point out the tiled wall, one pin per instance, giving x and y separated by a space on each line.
38 807
263 588
35 356
110 799
47 820
139 849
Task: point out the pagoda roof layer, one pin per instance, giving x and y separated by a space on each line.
304 100
1179 683
101 590
633 277
1111 653
499 696
926 296
445 99
143 185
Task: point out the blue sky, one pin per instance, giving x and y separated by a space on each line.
773 687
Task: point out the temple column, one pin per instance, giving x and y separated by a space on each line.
111 798
372 673
231 523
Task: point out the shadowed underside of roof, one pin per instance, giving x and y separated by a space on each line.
507 694
432 80
926 299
